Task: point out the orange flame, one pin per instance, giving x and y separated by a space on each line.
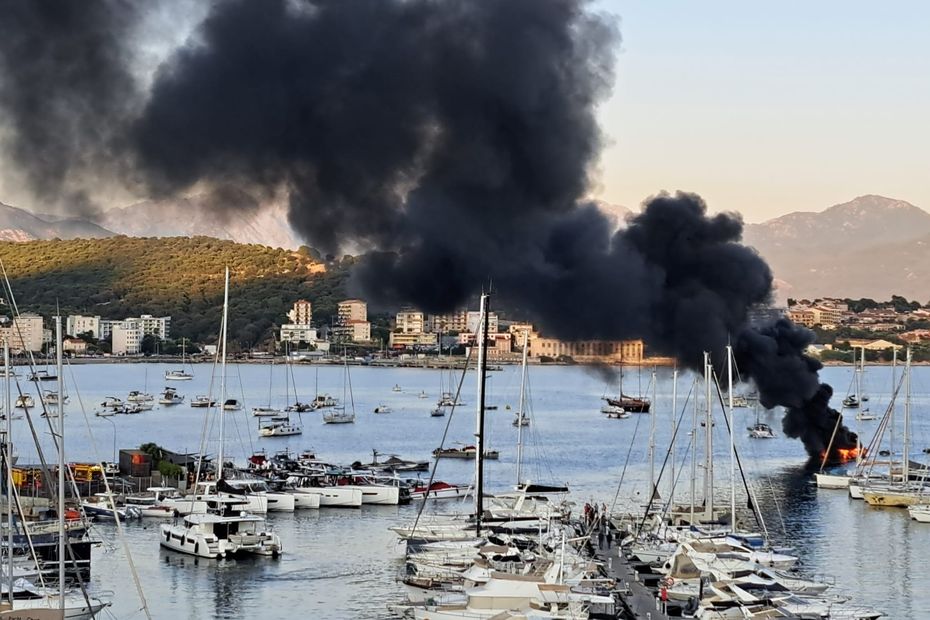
846 454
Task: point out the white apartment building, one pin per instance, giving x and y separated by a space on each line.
301 313
447 323
78 324
24 333
298 333
471 323
127 339
158 326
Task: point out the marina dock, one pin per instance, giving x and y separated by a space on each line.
637 601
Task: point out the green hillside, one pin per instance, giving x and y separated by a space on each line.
117 277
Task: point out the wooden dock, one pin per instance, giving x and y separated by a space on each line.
638 601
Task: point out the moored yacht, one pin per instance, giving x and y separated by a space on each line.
225 533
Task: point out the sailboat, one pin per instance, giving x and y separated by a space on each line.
630 404
520 418
226 529
863 415
338 414
180 374
24 600
759 430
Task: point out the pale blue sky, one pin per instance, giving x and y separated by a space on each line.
767 108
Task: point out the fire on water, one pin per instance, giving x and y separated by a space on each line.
844 455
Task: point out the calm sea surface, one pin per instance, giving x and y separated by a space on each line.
342 563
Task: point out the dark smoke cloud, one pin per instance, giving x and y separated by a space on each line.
454 139
64 90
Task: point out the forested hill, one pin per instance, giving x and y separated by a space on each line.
118 277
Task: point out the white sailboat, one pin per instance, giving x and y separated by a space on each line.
339 414
226 530
180 374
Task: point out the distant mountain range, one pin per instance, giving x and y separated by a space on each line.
871 246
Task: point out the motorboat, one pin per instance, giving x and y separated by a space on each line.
279 427
422 394
24 401
525 420
136 396
463 452
100 506
170 397
231 404
323 401
761 430
851 402
202 402
330 496
615 412
227 534
382 408
51 398
111 402
919 512
391 464
396 388
266 412
831 481
437 412
131 408
42 375
299 407
162 503
439 490
865 416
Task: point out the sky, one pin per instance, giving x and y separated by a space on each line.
762 108
768 108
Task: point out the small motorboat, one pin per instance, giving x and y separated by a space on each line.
266 412
382 409
279 427
439 490
761 430
299 407
100 507
202 401
463 452
170 397
24 401
232 404
136 396
523 421
130 408
42 375
396 388
423 394
437 412
851 402
111 402
865 416
51 398
322 401
615 412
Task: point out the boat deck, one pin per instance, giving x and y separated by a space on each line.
638 600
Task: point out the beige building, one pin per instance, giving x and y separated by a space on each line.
74 345
401 340
803 315
298 333
301 313
475 316
448 323
607 351
352 310
127 339
24 333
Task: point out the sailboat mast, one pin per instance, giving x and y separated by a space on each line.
894 382
8 457
693 450
671 484
906 454
859 370
479 431
61 466
221 456
732 444
520 411
708 441
652 441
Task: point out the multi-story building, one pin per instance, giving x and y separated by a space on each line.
158 326
352 310
471 323
608 351
803 315
454 322
74 345
409 322
401 340
301 313
293 332
127 338
352 322
78 324
24 333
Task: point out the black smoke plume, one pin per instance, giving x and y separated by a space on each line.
65 91
454 140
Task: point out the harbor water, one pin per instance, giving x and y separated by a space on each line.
343 564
